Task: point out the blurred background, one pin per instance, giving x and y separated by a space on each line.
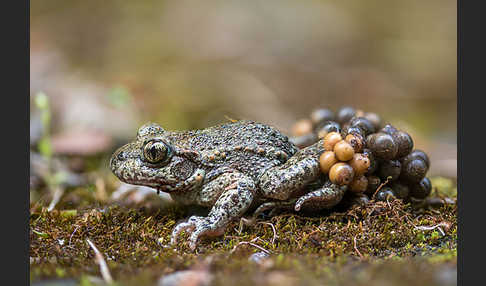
109 66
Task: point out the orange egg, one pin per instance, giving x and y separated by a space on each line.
360 163
327 160
331 139
341 174
344 151
302 127
359 184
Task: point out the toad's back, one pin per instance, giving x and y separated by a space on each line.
246 146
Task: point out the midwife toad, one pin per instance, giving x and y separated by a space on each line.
226 168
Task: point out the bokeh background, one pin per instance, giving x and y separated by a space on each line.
110 66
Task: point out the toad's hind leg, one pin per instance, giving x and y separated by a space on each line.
322 198
273 206
281 181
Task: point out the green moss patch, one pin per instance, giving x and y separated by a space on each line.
390 242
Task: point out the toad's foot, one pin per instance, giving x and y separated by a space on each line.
322 198
236 195
196 226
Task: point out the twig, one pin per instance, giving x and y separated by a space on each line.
58 192
347 225
273 229
315 230
438 226
381 186
258 239
252 244
372 210
244 221
356 248
105 272
71 236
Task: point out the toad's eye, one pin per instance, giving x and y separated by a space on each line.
155 151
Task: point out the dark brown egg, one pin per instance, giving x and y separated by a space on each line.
400 190
363 123
422 189
327 160
417 154
341 174
302 127
344 151
327 127
388 129
360 163
389 169
321 115
374 119
404 143
345 114
331 139
373 161
347 129
359 199
382 145
414 171
385 194
359 184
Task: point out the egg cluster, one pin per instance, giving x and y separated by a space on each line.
368 156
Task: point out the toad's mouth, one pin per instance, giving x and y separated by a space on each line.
137 178
138 174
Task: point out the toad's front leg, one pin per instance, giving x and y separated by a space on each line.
236 194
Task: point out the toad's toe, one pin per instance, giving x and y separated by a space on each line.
188 226
203 228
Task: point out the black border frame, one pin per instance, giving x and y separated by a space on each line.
15 24
470 63
15 157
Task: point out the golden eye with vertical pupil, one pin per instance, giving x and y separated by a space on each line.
155 151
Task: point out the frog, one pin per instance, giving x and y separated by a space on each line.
228 168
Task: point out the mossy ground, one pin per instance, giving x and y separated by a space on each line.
387 243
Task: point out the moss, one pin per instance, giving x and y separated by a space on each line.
357 246
444 186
